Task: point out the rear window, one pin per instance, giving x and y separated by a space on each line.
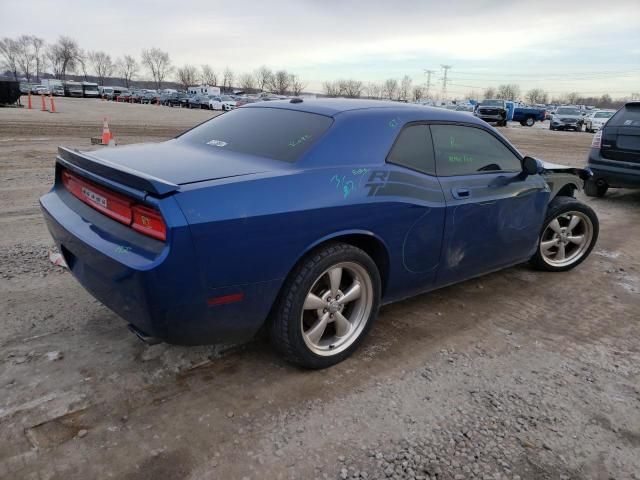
627 116
267 132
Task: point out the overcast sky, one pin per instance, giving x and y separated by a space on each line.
591 47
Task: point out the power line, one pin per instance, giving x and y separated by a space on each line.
446 69
428 73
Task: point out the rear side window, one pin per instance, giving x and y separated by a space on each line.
413 149
464 150
627 116
267 132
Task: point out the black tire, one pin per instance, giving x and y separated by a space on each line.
530 121
592 189
557 208
551 127
285 325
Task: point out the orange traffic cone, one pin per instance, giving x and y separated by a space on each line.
29 101
53 105
44 105
106 134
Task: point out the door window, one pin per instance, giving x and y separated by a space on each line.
413 149
461 150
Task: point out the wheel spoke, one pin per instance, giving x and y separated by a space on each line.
335 277
575 220
313 302
352 294
314 334
555 226
560 254
343 325
548 244
577 239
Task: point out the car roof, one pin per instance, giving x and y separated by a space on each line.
342 106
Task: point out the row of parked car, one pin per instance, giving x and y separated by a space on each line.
175 98
570 117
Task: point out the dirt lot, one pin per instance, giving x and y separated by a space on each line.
519 374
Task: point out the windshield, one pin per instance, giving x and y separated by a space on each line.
492 103
267 132
568 111
603 114
226 97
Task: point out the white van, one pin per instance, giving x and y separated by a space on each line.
204 90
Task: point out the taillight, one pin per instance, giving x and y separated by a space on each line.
597 140
143 219
149 221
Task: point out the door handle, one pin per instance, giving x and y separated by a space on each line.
460 193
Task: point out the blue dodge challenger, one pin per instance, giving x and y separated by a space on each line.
304 216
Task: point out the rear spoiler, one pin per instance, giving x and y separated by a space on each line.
118 173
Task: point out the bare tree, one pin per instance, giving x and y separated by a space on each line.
247 82
374 90
26 59
38 46
351 88
227 79
572 97
63 56
102 64
208 76
187 75
390 88
127 67
297 85
83 62
9 50
418 93
489 92
158 63
264 78
280 82
405 88
331 89
536 95
508 91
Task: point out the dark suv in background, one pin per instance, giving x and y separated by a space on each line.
615 152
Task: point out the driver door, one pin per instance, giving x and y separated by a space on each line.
493 213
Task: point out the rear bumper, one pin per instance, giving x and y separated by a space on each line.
614 173
157 288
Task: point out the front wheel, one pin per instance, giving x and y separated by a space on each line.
327 306
569 233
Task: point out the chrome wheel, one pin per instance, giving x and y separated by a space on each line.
337 308
566 239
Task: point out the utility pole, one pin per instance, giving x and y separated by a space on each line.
428 73
446 69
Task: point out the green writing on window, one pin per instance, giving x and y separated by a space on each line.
460 158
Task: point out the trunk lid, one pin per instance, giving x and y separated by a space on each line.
161 168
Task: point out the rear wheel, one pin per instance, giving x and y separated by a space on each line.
327 306
569 234
593 189
529 121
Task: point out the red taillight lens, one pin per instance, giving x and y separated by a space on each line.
119 207
149 221
111 204
597 140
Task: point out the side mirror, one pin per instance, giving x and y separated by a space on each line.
530 166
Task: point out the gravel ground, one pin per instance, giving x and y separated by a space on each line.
518 374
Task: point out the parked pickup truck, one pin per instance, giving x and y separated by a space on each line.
500 111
